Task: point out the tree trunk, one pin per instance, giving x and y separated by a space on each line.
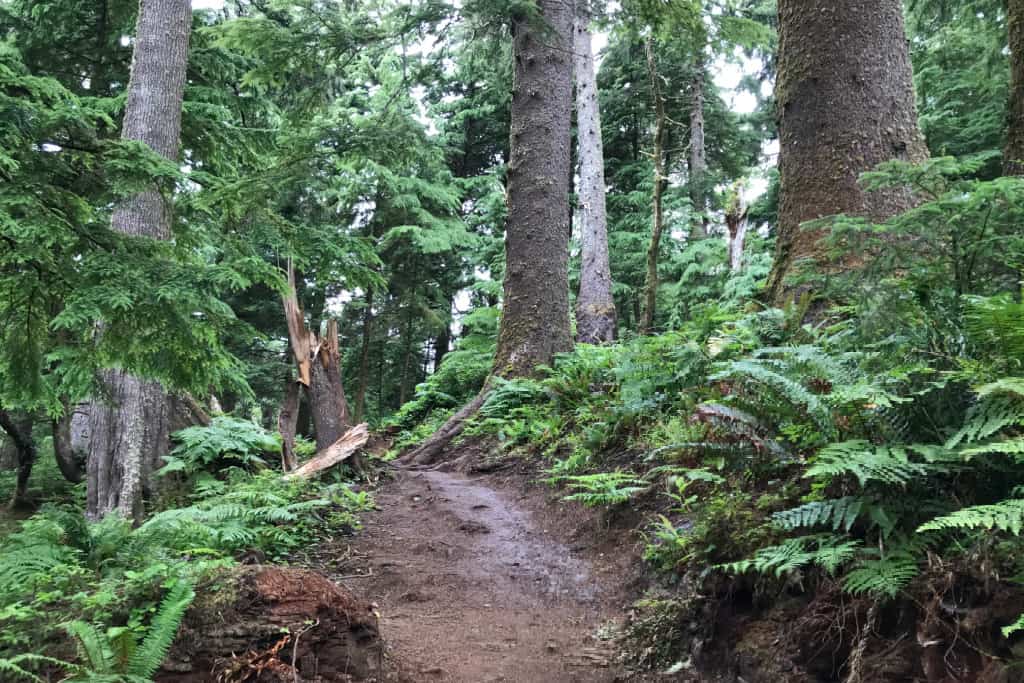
1013 156
404 379
71 456
845 101
287 421
535 313
19 430
535 310
595 307
736 222
698 155
129 425
319 364
443 341
654 249
364 357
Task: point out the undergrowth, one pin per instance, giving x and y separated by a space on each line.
102 600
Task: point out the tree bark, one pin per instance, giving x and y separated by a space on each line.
698 155
654 249
535 314
535 310
595 307
845 100
1013 155
287 422
364 357
19 431
443 341
71 457
736 222
319 364
129 425
404 379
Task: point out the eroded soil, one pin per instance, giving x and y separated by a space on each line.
472 586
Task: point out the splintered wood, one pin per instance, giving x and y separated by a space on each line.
339 451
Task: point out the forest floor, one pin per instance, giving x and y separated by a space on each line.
486 578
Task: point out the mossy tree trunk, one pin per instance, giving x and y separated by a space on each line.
130 420
535 312
845 101
1013 155
535 309
595 307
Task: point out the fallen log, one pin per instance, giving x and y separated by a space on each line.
340 450
272 624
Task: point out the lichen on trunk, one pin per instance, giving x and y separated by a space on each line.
595 307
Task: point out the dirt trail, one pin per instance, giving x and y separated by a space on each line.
472 588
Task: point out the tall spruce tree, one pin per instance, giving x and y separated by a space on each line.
130 421
595 307
845 101
535 321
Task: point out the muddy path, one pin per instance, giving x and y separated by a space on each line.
473 588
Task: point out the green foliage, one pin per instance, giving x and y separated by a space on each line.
840 513
827 552
117 656
889 465
58 567
603 488
1007 515
885 576
225 442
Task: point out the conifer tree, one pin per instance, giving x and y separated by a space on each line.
595 307
845 101
535 311
132 418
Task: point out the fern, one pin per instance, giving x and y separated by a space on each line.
94 650
1013 447
883 577
841 513
887 464
1015 627
997 322
162 631
225 441
1007 515
605 488
771 376
993 414
13 670
827 552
